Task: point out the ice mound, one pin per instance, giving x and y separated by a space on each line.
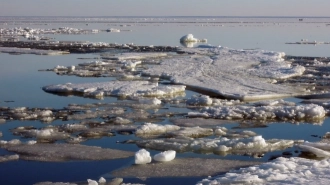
64 152
116 88
102 180
165 156
142 157
280 171
92 182
301 112
202 100
233 74
190 38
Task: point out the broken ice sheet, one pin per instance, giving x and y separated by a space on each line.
131 55
65 152
308 112
221 146
280 171
116 88
31 51
230 73
182 167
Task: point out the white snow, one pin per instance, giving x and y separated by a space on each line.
142 157
116 88
235 74
165 156
280 171
202 100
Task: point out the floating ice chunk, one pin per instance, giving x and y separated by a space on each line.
318 152
165 156
199 100
92 182
190 38
2 121
300 112
280 171
142 157
8 158
193 132
102 180
153 101
155 129
130 64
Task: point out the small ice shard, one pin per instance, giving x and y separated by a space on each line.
165 156
142 157
102 180
92 182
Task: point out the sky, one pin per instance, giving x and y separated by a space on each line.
165 8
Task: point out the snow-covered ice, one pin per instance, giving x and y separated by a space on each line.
280 171
307 112
165 156
154 129
131 56
116 88
142 157
237 74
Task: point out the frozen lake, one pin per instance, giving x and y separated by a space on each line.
22 84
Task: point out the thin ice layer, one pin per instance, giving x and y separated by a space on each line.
280 171
116 88
238 74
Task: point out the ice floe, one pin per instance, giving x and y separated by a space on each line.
190 38
150 129
132 55
64 152
280 171
237 74
116 88
31 51
222 146
182 167
7 158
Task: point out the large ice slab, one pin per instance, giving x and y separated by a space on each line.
237 74
63 152
280 171
116 88
182 167
31 51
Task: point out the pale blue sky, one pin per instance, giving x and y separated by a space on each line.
164 8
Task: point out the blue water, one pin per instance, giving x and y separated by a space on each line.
21 83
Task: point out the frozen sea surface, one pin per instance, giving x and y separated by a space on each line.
115 123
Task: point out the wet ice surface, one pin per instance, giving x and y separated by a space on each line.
64 152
